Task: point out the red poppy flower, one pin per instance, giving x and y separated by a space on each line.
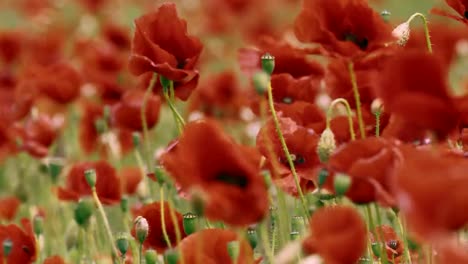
130 177
429 187
338 234
117 35
58 81
107 183
8 207
459 6
413 86
393 244
10 45
287 90
348 28
304 156
45 48
152 213
288 59
127 113
220 96
211 246
370 163
162 45
54 260
24 243
206 159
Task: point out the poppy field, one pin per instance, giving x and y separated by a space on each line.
234 131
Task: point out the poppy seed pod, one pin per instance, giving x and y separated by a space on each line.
190 223
122 244
151 256
141 228
83 212
322 177
90 176
171 256
54 170
326 145
7 247
341 183
252 237
124 204
260 82
268 63
38 225
385 15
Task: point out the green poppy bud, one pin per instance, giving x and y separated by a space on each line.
122 244
151 256
268 63
124 206
141 229
7 247
38 225
190 223
171 256
54 170
136 139
83 211
90 176
342 183
261 81
252 237
322 177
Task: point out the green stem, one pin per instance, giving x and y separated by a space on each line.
426 29
140 253
370 225
177 117
143 118
380 236
266 241
348 112
357 98
283 222
285 148
98 204
163 219
377 123
403 235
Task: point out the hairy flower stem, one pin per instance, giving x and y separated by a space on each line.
285 149
170 98
357 98
348 112
146 96
370 225
176 228
426 29
98 205
266 241
163 219
377 123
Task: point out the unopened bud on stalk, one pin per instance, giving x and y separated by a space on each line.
38 225
136 139
90 176
377 106
7 247
124 204
376 249
326 145
268 63
252 237
322 177
159 174
151 256
190 223
260 81
233 248
171 256
402 33
141 229
122 244
385 15
342 183
54 170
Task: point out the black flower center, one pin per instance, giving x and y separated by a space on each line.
181 63
393 244
296 159
466 14
362 43
232 179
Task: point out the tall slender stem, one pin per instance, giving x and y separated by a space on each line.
403 234
100 208
426 29
266 241
285 148
348 112
380 235
163 219
143 118
177 117
357 98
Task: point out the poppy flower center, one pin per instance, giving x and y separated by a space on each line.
181 64
232 179
362 43
296 158
393 244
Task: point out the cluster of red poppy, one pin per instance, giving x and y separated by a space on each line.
251 136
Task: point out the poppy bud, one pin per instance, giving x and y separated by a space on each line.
83 211
402 33
100 125
342 183
141 229
38 225
122 244
322 177
294 235
171 256
165 82
136 139
159 175
190 223
268 63
151 256
252 237
7 247
54 170
233 248
297 223
377 106
260 81
385 15
124 204
326 145
90 176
